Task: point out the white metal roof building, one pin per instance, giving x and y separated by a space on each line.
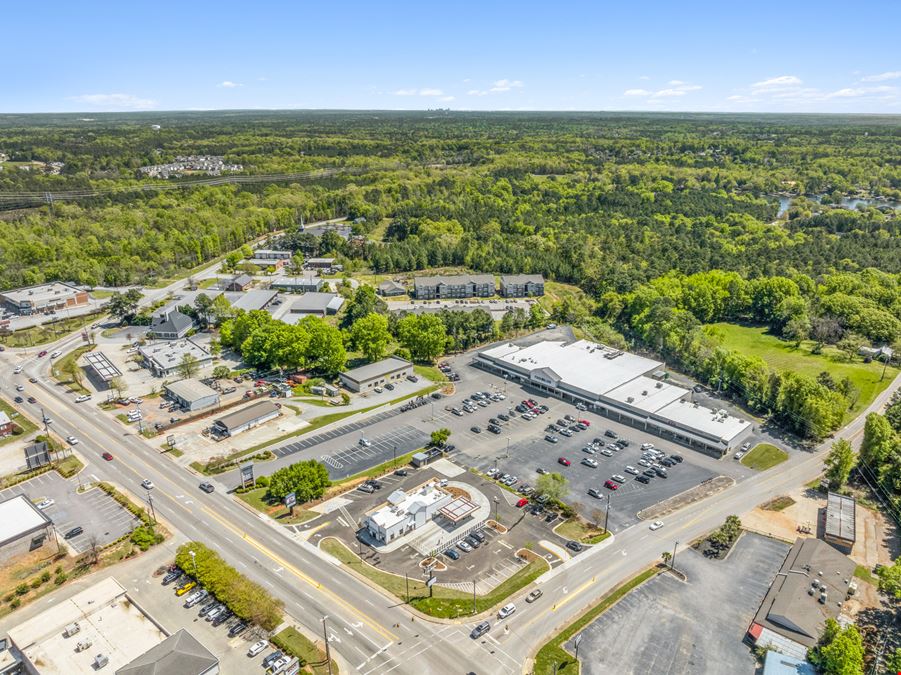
615 383
23 527
192 394
164 358
405 511
377 373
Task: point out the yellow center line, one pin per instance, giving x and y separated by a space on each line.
570 596
300 575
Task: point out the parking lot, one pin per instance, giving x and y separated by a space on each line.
488 565
655 628
95 511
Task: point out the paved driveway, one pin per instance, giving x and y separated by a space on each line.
669 626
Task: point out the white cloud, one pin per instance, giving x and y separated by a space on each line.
855 92
677 88
675 83
664 93
637 92
419 92
475 92
506 85
127 101
882 77
228 84
446 99
778 82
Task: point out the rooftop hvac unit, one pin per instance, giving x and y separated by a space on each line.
659 385
630 399
644 392
100 661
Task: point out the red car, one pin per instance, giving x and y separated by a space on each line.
563 461
521 503
585 422
42 354
107 456
610 485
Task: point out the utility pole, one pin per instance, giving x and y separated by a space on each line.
496 500
473 596
394 451
407 584
672 561
328 652
152 512
194 561
606 513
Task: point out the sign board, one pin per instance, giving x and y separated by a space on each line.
290 500
37 455
170 440
247 473
577 641
431 581
292 668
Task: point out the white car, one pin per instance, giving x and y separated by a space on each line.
365 442
506 611
17 370
137 401
55 355
257 647
647 446
147 484
656 525
82 398
632 470
738 455
71 440
45 504
588 461
618 478
20 387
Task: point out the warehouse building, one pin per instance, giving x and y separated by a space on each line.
270 254
44 298
315 304
810 587
254 300
319 263
617 384
841 522
192 394
308 283
164 358
23 528
244 419
522 285
376 374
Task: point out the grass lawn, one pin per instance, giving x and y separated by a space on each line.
553 658
447 602
63 369
38 335
783 355
764 456
778 504
376 471
292 642
23 422
257 499
864 574
577 529
429 373
554 292
208 283
69 466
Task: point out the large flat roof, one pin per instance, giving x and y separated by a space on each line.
401 504
373 370
41 293
190 390
718 423
841 517
248 414
18 517
101 364
585 365
647 394
251 300
114 624
313 302
168 354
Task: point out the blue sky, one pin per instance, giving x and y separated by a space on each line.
686 56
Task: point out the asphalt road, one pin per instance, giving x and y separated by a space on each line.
370 631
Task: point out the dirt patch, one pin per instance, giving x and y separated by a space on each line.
695 494
778 504
496 526
457 492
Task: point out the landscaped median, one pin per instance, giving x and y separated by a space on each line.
579 530
294 643
446 603
553 659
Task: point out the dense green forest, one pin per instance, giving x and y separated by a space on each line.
605 201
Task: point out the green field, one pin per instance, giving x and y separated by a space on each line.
783 355
48 332
292 642
763 457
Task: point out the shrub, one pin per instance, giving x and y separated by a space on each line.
61 578
144 537
21 589
58 570
36 582
263 481
248 600
8 597
15 603
45 576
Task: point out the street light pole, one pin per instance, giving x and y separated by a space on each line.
394 451
194 561
606 513
473 596
672 561
328 653
496 500
152 512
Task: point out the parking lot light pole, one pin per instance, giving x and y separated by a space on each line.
606 513
328 653
394 451
672 561
496 500
152 512
473 596
193 561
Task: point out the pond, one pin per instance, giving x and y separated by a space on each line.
850 203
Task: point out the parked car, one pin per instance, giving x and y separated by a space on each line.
521 503
401 472
257 648
365 442
389 386
534 595
643 479
452 554
184 588
475 429
677 458
472 541
550 438
272 658
74 532
566 432
463 546
495 429
589 462
366 487
412 378
610 485
237 629
632 470
593 492
574 546
563 461
45 504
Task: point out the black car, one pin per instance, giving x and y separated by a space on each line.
520 408
222 618
401 472
32 399
574 546
676 458
18 399
643 479
207 487
660 472
666 461
272 658
478 535
550 518
472 541
503 417
389 386
623 443
452 554
375 484
436 395
495 429
476 430
171 576
237 629
610 433
553 428
480 630
74 532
